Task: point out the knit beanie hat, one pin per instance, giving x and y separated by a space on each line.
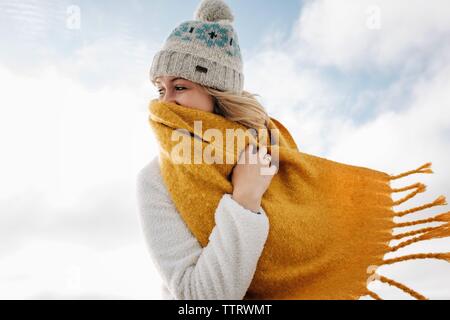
205 50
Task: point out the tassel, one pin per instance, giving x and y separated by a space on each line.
412 233
439 218
402 287
420 187
425 167
443 256
440 232
439 201
412 186
373 295
443 217
437 232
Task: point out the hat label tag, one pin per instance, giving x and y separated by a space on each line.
201 69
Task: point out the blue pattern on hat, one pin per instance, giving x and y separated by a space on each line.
182 31
213 35
210 34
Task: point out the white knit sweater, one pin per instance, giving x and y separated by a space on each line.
224 269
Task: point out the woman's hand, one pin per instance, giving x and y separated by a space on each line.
251 177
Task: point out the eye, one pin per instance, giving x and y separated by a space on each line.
178 88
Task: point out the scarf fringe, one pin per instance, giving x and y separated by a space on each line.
373 295
441 231
383 279
439 218
398 285
427 233
442 256
402 287
414 232
420 187
422 169
440 201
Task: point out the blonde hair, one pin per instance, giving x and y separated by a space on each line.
243 108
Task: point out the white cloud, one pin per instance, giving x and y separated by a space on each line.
418 134
46 269
299 94
74 134
58 135
118 61
69 162
339 33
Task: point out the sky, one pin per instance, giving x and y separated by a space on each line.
360 82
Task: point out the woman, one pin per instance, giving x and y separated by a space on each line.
331 224
188 270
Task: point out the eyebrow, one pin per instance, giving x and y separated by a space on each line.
158 81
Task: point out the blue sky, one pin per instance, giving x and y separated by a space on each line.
356 81
40 36
146 19
31 25
37 34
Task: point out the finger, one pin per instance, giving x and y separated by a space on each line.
276 167
250 149
254 148
275 157
269 170
262 149
243 156
261 153
273 169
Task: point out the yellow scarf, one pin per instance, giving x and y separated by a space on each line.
330 223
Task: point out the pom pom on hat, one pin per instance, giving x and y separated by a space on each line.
213 10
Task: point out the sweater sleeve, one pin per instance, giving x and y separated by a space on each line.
224 269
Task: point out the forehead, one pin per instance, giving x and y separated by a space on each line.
168 79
